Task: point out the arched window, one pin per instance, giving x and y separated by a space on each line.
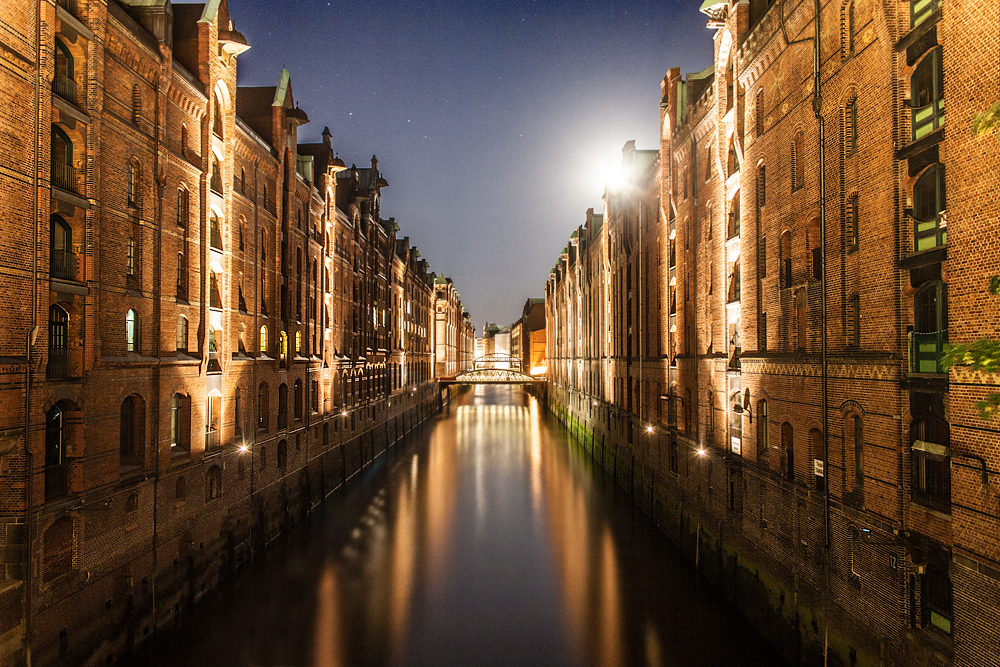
282 405
132 431
215 230
787 451
182 277
183 211
132 331
763 432
215 182
132 184
710 435
213 484
242 231
213 422
263 339
263 408
64 83
56 464
180 423
58 361
57 549
819 460
297 404
282 453
929 204
851 126
217 117
798 161
283 348
62 260
760 112
214 293
182 333
63 172
927 95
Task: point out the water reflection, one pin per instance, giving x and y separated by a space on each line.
485 541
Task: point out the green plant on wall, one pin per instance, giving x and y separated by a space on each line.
988 121
984 355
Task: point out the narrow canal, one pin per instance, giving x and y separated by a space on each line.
482 540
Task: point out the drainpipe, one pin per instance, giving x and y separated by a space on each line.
824 403
161 181
29 340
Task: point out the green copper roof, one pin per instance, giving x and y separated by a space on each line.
282 89
709 5
211 9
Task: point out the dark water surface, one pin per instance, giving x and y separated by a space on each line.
481 540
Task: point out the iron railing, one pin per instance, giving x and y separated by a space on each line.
64 176
62 264
64 87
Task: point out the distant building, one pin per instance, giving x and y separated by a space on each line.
527 338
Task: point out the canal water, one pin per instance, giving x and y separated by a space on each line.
483 539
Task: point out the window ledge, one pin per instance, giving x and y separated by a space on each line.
920 145
919 30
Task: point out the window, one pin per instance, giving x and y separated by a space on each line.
927 95
132 331
763 434
936 598
851 126
282 453
785 259
819 462
847 31
787 451
181 276
240 338
930 441
183 212
262 406
182 334
297 406
180 423
798 162
63 171
710 435
57 465
854 320
213 422
238 411
852 221
243 187
735 425
858 442
761 186
215 295
215 231
762 334
263 339
930 328
62 260
132 184
184 139
673 453
215 182
242 230
314 395
132 431
213 484
217 117
58 361
734 218
760 112
64 83
921 9
282 405
283 348
930 224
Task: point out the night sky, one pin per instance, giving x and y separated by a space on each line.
495 123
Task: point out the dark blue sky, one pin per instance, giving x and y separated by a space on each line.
494 122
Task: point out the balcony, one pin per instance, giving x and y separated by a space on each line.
215 238
64 176
64 87
927 350
58 364
927 118
216 183
70 6
215 298
62 265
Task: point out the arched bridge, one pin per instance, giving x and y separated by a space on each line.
490 376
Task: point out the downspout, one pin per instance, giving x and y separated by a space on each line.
32 332
161 181
252 398
824 362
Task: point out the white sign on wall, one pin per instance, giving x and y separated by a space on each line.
818 467
736 445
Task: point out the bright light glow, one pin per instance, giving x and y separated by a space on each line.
649 429
595 403
344 413
701 452
539 370
243 449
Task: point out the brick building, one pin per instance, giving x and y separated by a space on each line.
814 457
527 337
210 326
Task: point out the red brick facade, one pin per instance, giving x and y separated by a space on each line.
209 325
876 544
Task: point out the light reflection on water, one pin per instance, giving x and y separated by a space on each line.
486 541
